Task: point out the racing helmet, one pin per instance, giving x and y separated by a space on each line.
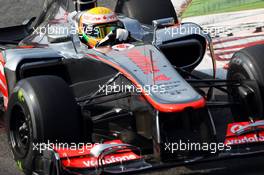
96 23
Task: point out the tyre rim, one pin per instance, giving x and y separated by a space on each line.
20 131
240 77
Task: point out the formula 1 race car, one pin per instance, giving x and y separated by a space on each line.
129 107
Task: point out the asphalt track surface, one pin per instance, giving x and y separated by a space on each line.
11 14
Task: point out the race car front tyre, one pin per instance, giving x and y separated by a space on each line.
247 67
41 111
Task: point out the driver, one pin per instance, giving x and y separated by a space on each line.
100 26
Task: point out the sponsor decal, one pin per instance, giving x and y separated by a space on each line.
76 159
146 65
235 128
249 138
92 162
124 46
143 62
233 139
162 77
99 18
20 96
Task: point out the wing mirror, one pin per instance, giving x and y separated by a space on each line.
58 34
59 38
161 23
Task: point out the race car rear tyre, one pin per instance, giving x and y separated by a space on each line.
41 109
247 64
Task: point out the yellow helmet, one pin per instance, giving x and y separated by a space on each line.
96 23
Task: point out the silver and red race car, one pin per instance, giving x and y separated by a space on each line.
126 107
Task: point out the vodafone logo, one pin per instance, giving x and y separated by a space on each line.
235 128
233 139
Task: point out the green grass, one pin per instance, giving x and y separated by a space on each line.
205 7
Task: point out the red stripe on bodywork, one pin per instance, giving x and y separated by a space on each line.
3 91
25 47
3 79
160 107
3 87
2 60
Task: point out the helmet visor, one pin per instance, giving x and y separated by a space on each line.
101 30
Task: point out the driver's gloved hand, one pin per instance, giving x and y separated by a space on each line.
118 35
121 34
